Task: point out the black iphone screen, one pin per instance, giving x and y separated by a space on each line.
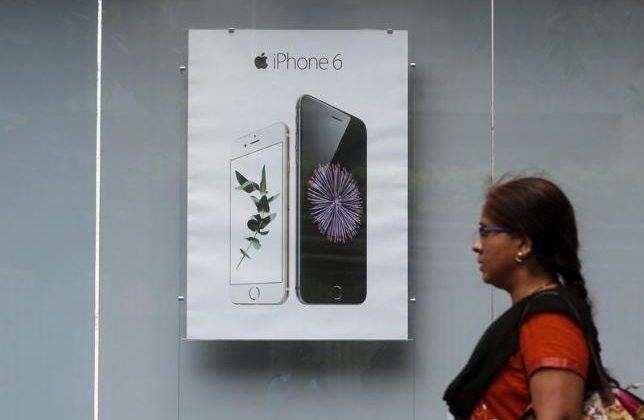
332 199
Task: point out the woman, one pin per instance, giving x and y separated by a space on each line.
534 356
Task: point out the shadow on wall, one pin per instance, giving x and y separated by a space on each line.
577 31
308 378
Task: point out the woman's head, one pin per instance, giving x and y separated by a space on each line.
541 225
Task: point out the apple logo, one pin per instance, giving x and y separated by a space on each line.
260 61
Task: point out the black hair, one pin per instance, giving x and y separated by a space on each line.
539 209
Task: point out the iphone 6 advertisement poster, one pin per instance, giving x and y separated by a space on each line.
297 185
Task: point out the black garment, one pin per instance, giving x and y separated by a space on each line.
501 340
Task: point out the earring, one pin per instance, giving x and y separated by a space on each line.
519 257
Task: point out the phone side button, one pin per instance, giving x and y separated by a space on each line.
253 293
336 292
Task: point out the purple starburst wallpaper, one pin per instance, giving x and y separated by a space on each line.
335 202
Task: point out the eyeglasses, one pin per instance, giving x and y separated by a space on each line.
484 231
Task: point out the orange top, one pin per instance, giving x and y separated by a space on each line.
547 340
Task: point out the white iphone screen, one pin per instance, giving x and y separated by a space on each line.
256 216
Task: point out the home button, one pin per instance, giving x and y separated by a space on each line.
336 292
253 293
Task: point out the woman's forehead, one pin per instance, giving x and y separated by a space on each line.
484 216
484 220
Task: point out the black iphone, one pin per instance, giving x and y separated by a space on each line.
331 150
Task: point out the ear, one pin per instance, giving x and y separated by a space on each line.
524 245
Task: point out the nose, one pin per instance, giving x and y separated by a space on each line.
476 244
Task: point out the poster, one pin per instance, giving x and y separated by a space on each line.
297 185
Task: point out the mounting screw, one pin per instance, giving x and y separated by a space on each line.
390 31
182 69
412 64
231 30
181 298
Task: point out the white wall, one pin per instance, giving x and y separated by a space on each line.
47 155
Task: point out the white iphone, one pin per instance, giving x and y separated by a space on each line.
258 251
